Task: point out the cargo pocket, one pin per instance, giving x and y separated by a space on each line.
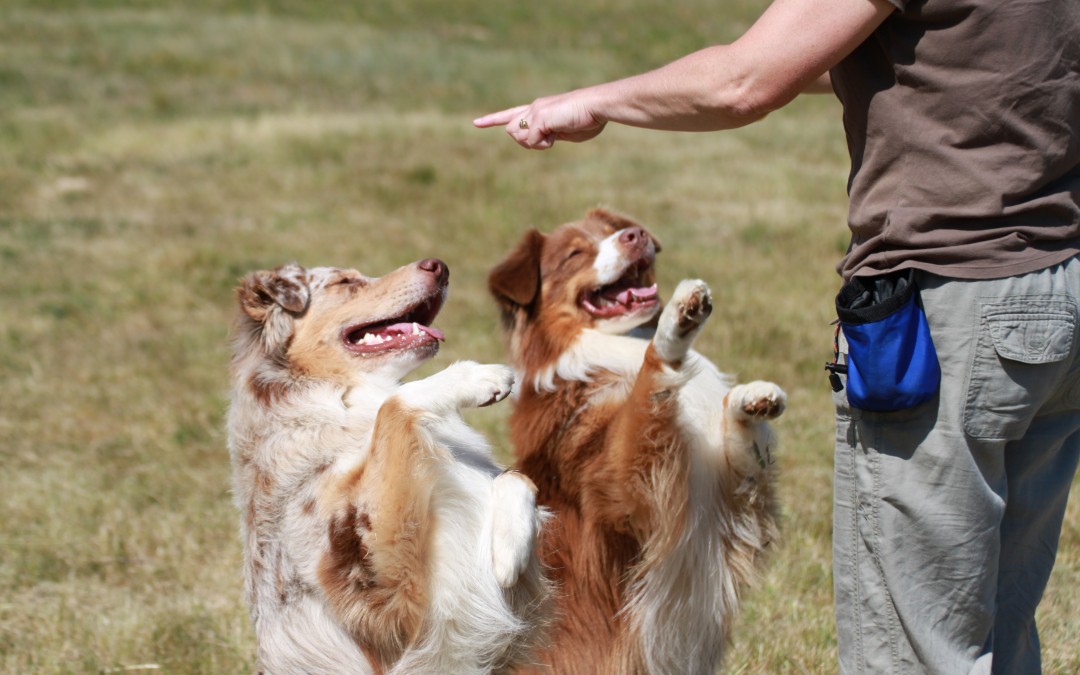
1019 360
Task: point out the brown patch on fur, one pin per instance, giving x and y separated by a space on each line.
264 482
346 563
372 573
281 586
377 668
641 442
604 506
267 390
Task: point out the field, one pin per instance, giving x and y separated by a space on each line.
153 152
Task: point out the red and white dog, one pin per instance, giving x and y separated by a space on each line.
658 470
379 535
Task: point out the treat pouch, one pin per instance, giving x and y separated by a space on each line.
892 364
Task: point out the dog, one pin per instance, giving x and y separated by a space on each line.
379 535
659 471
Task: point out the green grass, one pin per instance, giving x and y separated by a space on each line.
151 153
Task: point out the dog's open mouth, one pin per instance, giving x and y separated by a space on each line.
410 330
635 291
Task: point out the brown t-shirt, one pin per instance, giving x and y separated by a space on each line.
963 125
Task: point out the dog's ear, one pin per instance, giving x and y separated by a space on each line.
285 286
270 298
619 222
515 281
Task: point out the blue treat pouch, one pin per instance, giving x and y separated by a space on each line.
892 364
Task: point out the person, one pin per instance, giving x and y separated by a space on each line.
963 126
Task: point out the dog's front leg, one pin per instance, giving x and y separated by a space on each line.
464 384
374 570
514 526
644 439
515 519
681 321
401 470
748 441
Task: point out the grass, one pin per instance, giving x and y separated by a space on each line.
151 153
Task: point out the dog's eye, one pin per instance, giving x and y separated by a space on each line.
573 254
346 281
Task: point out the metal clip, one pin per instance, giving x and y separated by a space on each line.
834 375
836 368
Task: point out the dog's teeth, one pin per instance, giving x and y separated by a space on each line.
415 328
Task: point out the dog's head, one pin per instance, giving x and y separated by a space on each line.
335 324
595 273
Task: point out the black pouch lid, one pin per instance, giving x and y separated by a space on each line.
869 299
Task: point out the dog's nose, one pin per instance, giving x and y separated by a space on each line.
436 268
632 235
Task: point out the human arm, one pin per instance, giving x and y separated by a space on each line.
822 85
787 50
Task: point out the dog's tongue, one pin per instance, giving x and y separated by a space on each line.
630 295
408 328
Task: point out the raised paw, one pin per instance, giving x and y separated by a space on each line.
681 319
515 523
693 303
758 400
464 384
481 385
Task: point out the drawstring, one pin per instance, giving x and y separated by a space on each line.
835 368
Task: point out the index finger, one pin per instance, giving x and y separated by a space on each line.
498 119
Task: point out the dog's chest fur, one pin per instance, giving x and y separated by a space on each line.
667 578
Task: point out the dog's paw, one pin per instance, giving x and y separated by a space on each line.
758 400
464 384
693 304
515 523
682 318
478 385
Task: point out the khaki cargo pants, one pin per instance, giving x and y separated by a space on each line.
947 516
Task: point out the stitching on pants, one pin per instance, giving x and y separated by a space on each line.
874 465
853 447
